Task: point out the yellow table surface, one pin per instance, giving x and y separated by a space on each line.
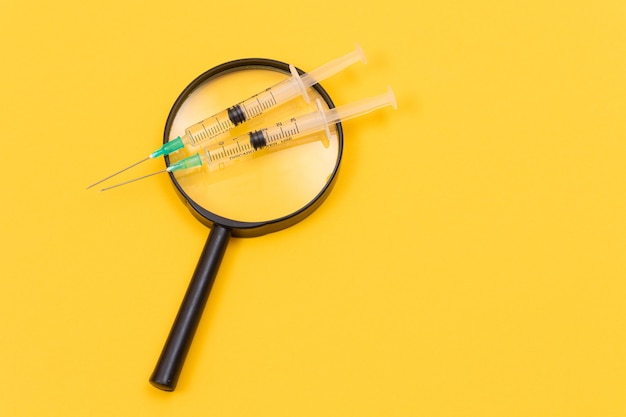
469 262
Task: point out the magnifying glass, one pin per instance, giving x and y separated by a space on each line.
264 193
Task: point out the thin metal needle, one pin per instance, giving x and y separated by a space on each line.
133 180
118 172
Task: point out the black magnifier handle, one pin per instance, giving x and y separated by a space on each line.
170 364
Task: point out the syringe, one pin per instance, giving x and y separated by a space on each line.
233 150
203 131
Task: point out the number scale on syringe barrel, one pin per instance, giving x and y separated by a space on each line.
233 116
236 149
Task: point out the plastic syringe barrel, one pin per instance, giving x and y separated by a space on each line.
334 66
297 84
360 107
322 119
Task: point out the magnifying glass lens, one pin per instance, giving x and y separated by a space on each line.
264 184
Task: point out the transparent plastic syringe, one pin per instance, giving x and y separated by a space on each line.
233 150
202 132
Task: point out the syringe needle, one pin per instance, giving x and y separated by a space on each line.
118 172
135 179
166 149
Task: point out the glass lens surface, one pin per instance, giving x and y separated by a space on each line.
266 184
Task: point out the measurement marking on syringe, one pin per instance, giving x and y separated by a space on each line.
273 98
285 133
245 110
268 104
212 130
215 128
204 132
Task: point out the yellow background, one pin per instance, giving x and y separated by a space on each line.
469 262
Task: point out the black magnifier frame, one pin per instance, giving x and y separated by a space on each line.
170 363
